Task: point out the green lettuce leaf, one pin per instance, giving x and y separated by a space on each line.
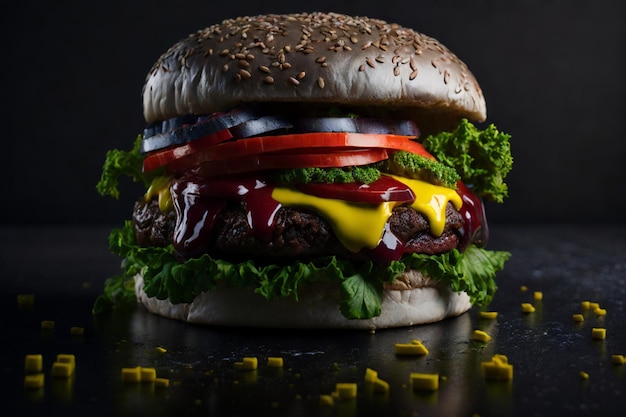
120 163
360 286
481 157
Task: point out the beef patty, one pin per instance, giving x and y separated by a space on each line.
298 233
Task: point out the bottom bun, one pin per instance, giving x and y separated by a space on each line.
317 307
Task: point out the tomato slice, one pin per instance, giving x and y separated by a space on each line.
196 152
267 161
382 190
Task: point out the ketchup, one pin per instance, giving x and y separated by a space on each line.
199 201
473 212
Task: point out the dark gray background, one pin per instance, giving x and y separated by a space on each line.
553 73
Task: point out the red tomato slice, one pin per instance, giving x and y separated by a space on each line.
196 152
382 190
261 162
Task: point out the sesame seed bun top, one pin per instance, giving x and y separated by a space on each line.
323 58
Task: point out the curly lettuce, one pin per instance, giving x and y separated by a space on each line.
361 285
481 157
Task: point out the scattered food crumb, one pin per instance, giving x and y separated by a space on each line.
33 363
598 333
498 368
490 315
424 382
481 336
528 308
416 347
248 364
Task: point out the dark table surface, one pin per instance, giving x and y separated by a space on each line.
64 268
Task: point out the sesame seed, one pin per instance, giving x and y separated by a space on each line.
320 59
265 69
293 81
225 68
413 75
362 67
245 74
243 64
321 83
301 75
268 80
446 76
370 62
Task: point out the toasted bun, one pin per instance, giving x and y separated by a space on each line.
317 307
322 58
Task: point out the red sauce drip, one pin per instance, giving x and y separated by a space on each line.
390 248
199 201
261 210
195 218
473 212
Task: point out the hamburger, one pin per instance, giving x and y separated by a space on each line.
310 170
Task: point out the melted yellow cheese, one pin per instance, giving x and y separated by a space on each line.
160 187
360 225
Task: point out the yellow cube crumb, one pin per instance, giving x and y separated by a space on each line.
583 375
346 390
62 369
66 358
147 374
500 359
538 295
381 386
160 349
424 382
327 400
593 306
489 315
578 318
584 305
25 299
481 336
275 362
161 382
618 359
528 308
414 348
47 324
370 375
598 333
131 375
33 363
34 381
248 364
77 331
498 368
599 311
523 288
